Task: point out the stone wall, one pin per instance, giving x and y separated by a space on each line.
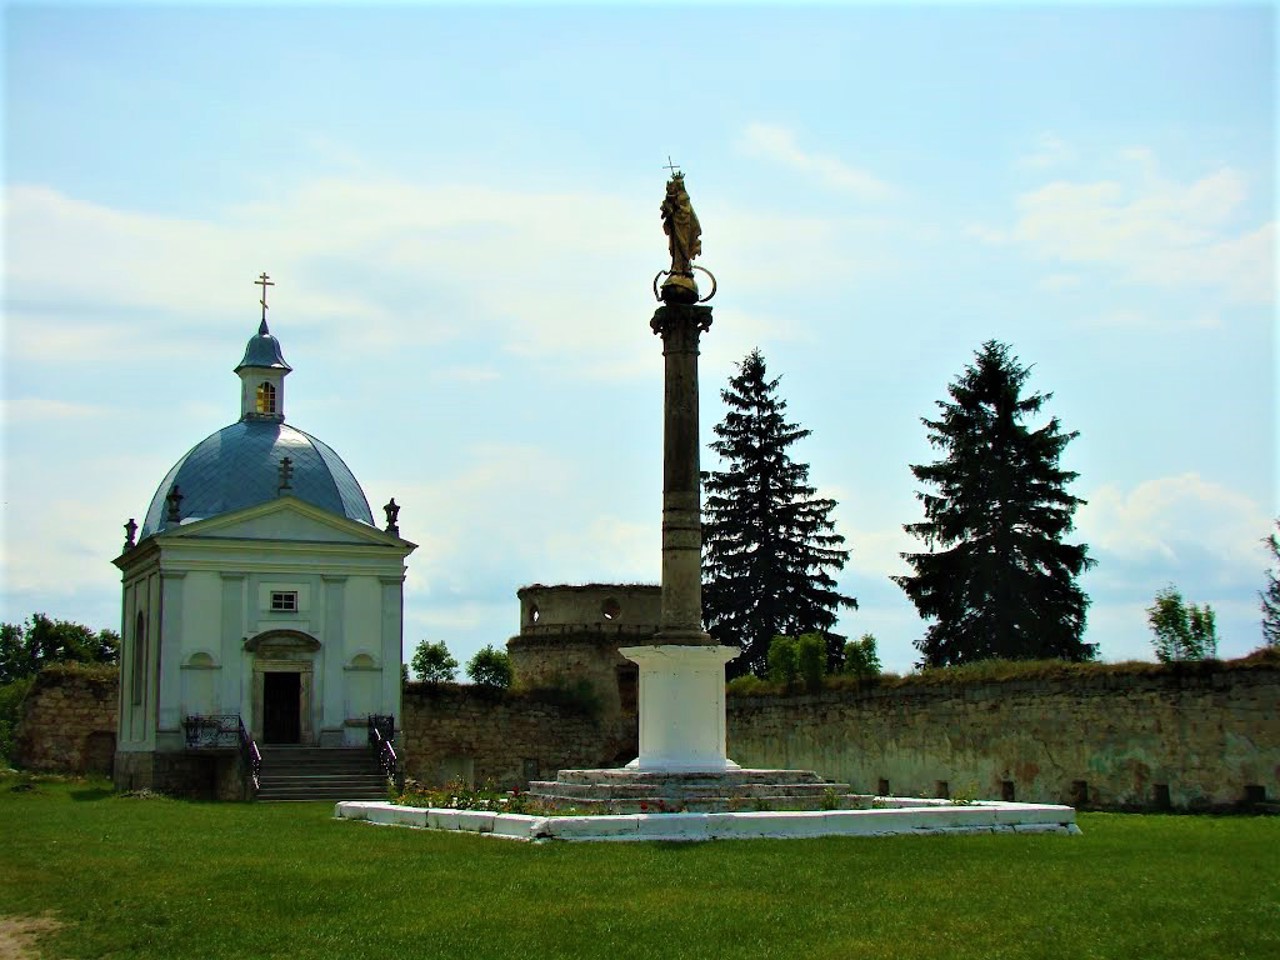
68 721
502 736
1186 736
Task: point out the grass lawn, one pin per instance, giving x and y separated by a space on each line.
165 878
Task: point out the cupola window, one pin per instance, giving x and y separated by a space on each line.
266 397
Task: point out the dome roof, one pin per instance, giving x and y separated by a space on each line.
263 351
239 466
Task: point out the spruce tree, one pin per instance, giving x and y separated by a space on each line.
1271 596
997 582
769 544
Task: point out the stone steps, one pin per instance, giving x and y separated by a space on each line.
312 773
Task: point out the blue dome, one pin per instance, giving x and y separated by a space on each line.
239 466
263 351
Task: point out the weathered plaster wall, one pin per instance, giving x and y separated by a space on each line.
68 721
1208 734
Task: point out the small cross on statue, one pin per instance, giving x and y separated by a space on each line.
264 281
286 475
675 170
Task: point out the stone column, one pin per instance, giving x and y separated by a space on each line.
680 325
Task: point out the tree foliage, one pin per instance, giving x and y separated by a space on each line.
1182 630
769 544
433 663
997 580
1271 595
27 647
490 667
861 658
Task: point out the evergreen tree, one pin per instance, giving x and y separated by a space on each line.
997 582
1271 596
769 543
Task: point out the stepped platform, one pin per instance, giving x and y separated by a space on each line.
320 773
623 791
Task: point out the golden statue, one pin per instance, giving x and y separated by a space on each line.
681 226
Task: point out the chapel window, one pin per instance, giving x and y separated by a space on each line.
266 397
284 601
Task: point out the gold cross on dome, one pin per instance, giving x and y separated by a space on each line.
264 281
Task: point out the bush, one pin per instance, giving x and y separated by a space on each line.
811 659
490 668
11 697
784 664
861 659
434 663
1182 631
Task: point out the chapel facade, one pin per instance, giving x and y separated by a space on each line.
260 601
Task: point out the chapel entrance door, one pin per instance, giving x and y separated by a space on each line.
282 707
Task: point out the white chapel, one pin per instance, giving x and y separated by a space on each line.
261 603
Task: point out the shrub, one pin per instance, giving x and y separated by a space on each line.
860 657
784 664
490 667
811 659
11 697
434 663
1182 631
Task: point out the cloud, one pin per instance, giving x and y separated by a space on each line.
779 144
1174 519
40 409
1049 151
1153 231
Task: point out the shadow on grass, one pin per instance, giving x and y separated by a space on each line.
91 793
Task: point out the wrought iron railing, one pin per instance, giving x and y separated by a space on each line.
382 735
225 731
250 756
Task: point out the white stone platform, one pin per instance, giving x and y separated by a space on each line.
891 817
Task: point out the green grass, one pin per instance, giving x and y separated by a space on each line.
165 878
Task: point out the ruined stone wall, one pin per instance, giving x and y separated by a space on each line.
501 736
1189 736
68 721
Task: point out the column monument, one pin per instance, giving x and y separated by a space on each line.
681 697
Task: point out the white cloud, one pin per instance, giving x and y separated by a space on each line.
39 409
1170 516
1154 231
779 144
1049 151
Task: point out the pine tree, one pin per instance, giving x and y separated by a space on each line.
769 544
997 582
1271 596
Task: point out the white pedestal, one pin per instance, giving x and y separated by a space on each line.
682 720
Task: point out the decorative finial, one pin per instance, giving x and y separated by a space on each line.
393 514
130 531
264 281
286 475
684 240
174 503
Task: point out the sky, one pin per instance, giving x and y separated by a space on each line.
459 208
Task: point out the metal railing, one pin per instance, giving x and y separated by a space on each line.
225 731
382 735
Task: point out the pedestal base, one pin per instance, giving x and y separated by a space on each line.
682 721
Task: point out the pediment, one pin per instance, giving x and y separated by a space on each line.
284 519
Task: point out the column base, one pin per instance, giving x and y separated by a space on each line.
682 715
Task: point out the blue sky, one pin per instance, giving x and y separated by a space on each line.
460 210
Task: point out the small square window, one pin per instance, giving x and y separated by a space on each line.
284 600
